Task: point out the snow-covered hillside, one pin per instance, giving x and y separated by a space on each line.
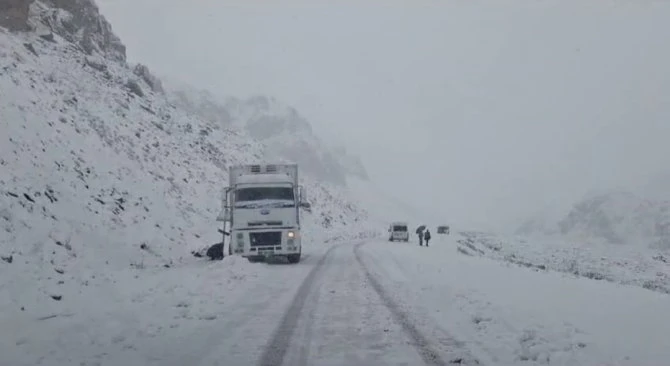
281 128
617 217
598 260
617 237
622 218
286 133
100 172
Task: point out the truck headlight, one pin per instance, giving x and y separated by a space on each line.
291 234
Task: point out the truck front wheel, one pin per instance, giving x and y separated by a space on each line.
293 258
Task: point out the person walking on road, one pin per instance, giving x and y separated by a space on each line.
426 236
420 234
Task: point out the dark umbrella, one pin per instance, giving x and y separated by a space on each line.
420 229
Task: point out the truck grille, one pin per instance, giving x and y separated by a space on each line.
265 238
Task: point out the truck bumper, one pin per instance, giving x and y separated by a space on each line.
270 251
265 242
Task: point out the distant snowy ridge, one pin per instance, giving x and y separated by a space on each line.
279 127
616 217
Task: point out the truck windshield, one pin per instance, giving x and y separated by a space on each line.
400 228
264 196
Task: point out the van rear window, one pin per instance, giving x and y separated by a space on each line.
399 228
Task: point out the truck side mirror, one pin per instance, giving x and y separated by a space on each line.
306 205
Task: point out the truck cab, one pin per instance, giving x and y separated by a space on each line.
398 231
262 206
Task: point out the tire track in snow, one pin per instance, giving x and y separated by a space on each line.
421 343
280 342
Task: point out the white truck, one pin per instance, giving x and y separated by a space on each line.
261 210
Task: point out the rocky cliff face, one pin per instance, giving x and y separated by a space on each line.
78 21
14 14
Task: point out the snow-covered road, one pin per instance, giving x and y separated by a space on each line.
507 315
366 303
342 316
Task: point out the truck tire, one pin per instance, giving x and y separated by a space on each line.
293 258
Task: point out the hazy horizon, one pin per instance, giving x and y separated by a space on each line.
484 113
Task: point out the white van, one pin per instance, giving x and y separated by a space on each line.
398 231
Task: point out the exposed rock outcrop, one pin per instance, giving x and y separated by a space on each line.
154 83
80 22
14 14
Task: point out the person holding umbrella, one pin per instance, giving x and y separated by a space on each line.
419 232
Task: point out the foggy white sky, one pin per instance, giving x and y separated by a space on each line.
481 111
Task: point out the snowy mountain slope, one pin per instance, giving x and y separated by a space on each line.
615 217
598 260
620 217
616 237
100 173
542 222
280 127
290 135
